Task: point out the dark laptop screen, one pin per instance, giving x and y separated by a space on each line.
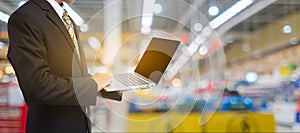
156 58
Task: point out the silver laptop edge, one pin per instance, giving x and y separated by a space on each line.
126 88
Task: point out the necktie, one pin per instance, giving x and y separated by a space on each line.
70 27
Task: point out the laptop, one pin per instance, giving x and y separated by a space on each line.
150 68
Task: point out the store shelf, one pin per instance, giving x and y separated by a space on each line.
233 121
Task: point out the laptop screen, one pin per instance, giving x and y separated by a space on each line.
156 58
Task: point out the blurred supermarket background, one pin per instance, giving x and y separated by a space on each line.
238 69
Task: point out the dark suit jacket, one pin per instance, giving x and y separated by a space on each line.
54 82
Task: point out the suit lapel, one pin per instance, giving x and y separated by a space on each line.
52 15
57 21
81 52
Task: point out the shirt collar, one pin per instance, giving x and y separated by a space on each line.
58 9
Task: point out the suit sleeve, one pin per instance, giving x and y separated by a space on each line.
28 55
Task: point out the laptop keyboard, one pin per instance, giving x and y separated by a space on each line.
129 79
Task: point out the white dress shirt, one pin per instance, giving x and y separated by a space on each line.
58 9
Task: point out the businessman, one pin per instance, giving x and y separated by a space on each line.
50 66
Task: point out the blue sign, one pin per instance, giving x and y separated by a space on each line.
297 83
297 117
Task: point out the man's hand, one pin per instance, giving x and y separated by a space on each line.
102 79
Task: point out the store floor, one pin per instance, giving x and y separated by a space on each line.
280 128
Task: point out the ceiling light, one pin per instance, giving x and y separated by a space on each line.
251 77
147 20
84 27
246 47
294 41
146 23
229 39
94 43
9 70
207 31
4 17
157 8
192 48
176 82
198 27
149 7
257 54
2 45
229 13
287 29
147 16
145 30
213 10
1 74
199 39
203 50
